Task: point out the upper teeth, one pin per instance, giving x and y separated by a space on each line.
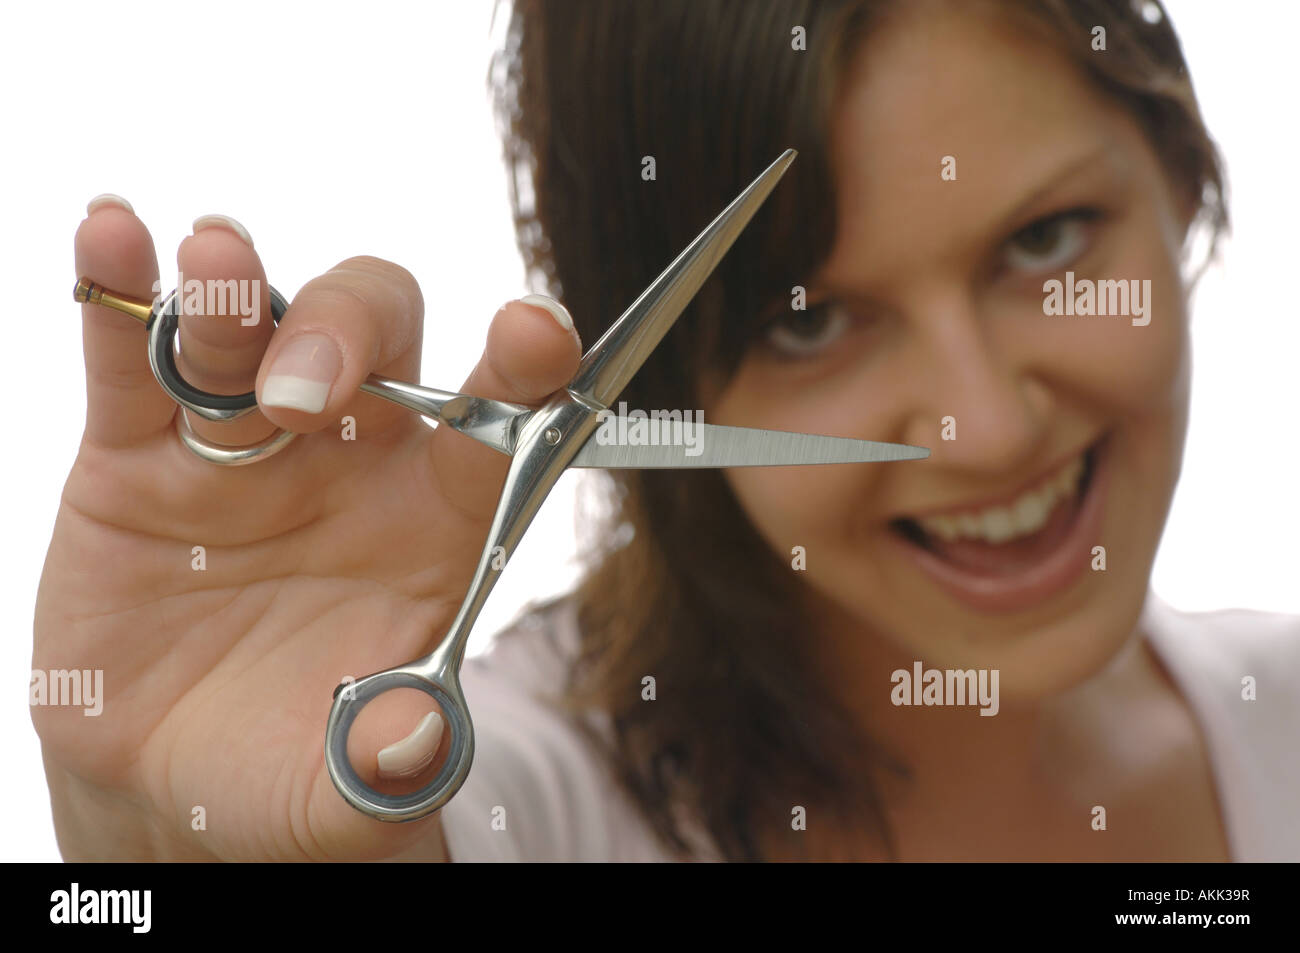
1024 515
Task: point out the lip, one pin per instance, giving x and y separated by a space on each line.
1052 575
1001 499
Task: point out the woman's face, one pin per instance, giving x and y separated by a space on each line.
1068 429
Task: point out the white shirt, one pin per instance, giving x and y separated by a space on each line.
538 791
1254 746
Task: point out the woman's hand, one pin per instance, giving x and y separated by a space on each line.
335 557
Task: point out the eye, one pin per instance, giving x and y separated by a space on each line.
806 333
1051 242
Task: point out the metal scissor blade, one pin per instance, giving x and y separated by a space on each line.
620 352
712 445
493 423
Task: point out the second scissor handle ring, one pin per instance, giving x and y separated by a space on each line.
163 325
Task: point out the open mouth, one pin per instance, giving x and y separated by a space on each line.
1018 551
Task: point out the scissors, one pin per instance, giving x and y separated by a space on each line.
542 443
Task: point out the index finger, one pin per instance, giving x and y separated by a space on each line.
365 315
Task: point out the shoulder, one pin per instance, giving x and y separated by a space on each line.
1220 649
538 789
1239 669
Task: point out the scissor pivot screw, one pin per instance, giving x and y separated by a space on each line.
552 435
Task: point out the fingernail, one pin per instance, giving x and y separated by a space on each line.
413 753
108 198
302 373
558 311
222 221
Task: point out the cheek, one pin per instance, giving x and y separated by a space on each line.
1093 374
1137 371
796 506
799 505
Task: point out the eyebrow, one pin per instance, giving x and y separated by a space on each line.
1051 183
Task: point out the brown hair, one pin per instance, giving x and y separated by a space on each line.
680 585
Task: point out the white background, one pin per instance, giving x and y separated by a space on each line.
334 129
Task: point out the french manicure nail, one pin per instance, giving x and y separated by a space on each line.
222 221
108 198
302 373
557 310
413 753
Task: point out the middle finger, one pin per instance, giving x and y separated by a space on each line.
225 323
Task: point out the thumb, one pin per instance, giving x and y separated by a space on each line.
532 351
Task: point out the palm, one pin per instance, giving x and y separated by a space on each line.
229 670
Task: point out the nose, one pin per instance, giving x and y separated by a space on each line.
969 383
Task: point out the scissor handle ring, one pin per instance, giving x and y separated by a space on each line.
163 324
230 456
350 698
